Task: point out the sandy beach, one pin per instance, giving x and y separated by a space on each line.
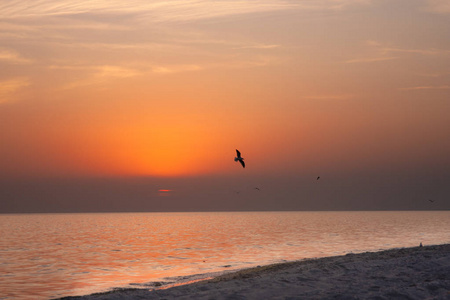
406 273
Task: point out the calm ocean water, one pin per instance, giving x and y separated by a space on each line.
46 256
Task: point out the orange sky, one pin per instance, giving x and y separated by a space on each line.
172 88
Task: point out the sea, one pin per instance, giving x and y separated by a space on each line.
47 256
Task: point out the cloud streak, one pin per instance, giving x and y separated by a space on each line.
9 87
96 74
160 11
416 51
259 47
157 11
331 97
381 52
370 59
12 57
426 87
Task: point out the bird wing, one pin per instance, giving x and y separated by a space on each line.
238 153
242 163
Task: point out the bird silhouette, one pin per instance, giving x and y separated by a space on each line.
318 177
239 158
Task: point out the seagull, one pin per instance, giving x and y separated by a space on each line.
318 177
431 201
239 158
256 188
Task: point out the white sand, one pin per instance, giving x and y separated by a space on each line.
409 273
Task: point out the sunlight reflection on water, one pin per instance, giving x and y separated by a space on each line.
54 255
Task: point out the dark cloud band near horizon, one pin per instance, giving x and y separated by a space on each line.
394 191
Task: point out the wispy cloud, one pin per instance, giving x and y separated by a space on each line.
330 97
75 30
100 71
90 21
99 74
370 59
433 75
375 55
93 75
431 51
389 50
340 4
92 25
158 11
10 86
381 52
12 57
168 69
161 11
259 46
226 63
116 72
426 87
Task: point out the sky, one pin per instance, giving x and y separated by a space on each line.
140 105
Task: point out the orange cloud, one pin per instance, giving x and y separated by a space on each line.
426 87
9 87
10 56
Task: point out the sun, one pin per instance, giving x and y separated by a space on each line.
164 193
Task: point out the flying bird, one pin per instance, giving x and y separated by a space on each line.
318 177
257 188
239 158
431 200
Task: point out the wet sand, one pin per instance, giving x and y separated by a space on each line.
406 273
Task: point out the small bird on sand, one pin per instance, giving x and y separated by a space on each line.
239 158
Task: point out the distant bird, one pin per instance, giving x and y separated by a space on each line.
239 158
431 201
318 177
256 188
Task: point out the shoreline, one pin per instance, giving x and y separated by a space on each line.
406 273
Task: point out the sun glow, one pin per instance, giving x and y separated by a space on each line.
163 151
